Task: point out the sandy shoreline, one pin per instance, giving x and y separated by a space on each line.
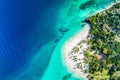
72 42
109 6
79 56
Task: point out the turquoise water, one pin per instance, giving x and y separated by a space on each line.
71 17
33 32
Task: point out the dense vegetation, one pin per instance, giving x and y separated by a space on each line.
104 42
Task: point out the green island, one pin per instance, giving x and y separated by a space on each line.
103 53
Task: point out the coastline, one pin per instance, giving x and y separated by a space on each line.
73 41
58 63
109 6
103 9
67 47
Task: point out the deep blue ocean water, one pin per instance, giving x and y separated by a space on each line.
27 34
20 35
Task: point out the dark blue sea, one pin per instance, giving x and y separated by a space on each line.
28 27
25 26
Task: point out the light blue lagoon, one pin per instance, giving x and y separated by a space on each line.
33 32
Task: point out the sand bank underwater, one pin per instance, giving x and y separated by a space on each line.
32 34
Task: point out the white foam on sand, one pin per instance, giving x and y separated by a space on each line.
72 42
68 46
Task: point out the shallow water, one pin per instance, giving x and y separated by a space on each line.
71 18
28 31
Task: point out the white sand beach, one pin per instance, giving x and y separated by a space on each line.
73 50
73 59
